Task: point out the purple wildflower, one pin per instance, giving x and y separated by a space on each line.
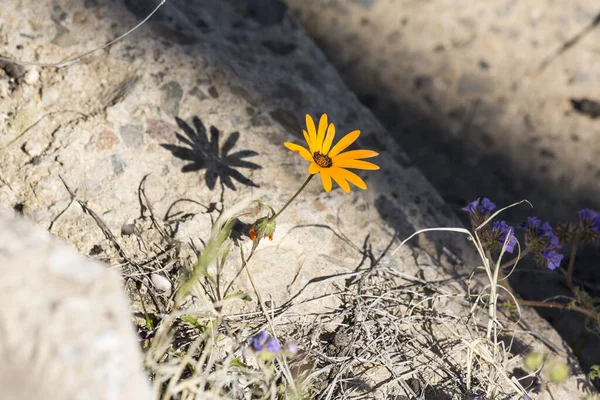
551 258
539 236
532 223
547 232
590 218
273 345
292 348
502 230
258 341
263 341
484 206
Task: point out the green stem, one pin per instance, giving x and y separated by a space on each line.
292 198
572 263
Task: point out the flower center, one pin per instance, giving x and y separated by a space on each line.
322 160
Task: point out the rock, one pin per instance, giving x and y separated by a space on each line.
63 37
73 338
133 135
171 97
32 77
49 96
118 164
160 282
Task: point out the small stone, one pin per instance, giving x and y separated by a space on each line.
161 131
33 148
118 164
198 93
133 135
160 282
49 96
128 228
4 89
213 92
32 76
63 37
106 140
171 98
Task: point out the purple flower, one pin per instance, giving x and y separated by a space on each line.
484 206
537 230
273 345
551 258
264 341
292 348
591 218
547 232
502 230
533 222
258 341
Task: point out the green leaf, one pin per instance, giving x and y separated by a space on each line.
238 295
193 321
237 362
594 372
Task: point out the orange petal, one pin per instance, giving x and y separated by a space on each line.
300 150
350 176
337 176
309 142
328 139
312 133
326 179
321 133
343 143
356 154
313 168
355 164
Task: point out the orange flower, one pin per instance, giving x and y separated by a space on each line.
330 161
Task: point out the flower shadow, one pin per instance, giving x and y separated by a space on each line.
204 152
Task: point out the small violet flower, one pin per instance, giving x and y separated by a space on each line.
292 348
542 242
590 218
273 345
268 345
551 258
484 206
501 231
259 341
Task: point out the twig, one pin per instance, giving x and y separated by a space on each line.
572 263
570 307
